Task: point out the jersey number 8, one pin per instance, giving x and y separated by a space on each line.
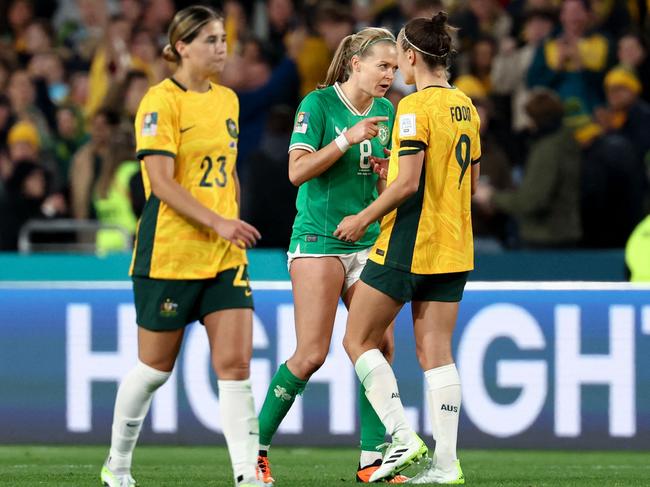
365 148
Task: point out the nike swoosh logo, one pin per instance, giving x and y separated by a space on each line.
248 293
187 128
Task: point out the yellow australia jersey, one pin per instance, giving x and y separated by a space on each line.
199 131
431 232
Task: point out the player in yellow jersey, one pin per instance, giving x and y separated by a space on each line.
189 261
424 252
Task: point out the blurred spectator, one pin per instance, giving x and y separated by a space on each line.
612 188
547 203
111 194
313 51
22 96
27 197
81 24
511 64
626 113
574 62
633 55
125 97
156 18
269 202
489 227
281 20
481 18
110 62
258 95
480 65
23 142
19 14
69 137
89 161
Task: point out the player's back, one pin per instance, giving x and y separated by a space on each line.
434 225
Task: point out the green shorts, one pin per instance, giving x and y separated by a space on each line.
170 304
405 286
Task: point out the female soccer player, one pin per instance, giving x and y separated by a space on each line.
189 260
337 130
424 252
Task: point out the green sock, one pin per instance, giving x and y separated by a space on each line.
373 431
282 392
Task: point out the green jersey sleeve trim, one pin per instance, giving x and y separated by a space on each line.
154 152
302 146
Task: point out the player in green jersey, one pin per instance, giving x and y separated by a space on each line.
339 130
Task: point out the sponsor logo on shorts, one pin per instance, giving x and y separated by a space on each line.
380 252
169 308
311 238
248 293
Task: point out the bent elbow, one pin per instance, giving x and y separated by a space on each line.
295 177
411 188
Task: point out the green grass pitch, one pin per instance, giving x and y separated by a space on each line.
208 466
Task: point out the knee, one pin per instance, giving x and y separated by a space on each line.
231 367
307 363
430 358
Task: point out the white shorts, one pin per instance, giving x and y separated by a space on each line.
353 264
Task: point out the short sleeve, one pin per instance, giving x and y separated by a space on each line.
412 126
156 127
309 125
476 142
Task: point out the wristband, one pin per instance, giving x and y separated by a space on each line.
342 143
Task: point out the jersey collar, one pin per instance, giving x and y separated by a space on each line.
348 104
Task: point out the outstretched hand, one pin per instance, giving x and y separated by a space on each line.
380 164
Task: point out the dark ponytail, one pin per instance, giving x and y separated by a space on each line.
432 38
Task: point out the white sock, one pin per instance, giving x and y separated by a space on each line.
368 458
377 377
240 426
443 392
131 406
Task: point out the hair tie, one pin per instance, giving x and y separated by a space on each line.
440 56
362 49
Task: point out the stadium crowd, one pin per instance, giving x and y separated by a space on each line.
562 88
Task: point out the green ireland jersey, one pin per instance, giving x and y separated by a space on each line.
349 185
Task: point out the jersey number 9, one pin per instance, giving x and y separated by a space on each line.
463 155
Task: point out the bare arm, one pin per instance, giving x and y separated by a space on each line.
305 165
406 184
476 173
161 175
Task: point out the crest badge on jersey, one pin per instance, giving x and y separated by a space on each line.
407 125
302 122
384 134
232 128
150 124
